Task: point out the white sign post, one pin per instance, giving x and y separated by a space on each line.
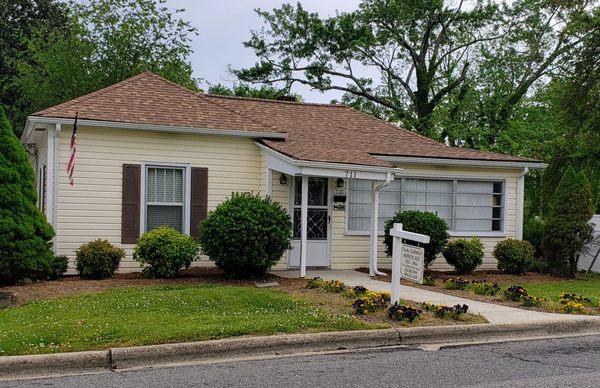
407 261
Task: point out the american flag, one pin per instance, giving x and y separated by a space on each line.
72 151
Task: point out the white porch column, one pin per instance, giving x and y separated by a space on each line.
303 225
374 228
520 204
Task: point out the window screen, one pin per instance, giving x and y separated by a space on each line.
164 197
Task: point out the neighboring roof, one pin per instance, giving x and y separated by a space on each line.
150 99
315 132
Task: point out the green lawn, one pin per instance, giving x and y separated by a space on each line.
142 316
587 285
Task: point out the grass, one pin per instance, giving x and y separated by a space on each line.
150 315
588 285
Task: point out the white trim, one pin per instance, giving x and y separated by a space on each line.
461 162
186 186
158 128
339 170
303 224
520 204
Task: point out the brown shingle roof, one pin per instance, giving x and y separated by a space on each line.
315 132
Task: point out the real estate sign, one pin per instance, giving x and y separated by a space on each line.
412 263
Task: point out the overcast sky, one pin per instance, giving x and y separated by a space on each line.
224 24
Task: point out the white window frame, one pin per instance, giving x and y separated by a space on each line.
500 234
187 178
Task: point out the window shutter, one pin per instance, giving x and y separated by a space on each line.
130 204
199 200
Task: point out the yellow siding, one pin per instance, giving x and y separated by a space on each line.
92 207
351 251
281 195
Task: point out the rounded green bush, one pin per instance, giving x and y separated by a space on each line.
163 251
246 234
98 259
514 256
420 222
60 265
533 231
464 255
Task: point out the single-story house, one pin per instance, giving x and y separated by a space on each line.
150 152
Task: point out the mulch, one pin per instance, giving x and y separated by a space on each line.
72 285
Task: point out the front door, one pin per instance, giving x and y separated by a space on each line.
317 226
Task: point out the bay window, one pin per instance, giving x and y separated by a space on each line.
467 206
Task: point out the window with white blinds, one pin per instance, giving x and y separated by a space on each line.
164 197
466 206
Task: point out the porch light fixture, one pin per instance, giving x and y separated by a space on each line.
339 183
283 179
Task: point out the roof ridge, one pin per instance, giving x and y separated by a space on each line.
200 95
89 95
271 100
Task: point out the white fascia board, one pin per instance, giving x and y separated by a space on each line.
158 128
283 163
461 162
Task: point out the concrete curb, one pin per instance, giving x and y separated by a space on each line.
12 367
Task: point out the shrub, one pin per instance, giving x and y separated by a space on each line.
98 259
429 281
163 251
60 265
456 284
315 282
567 229
423 223
464 255
371 302
514 256
246 235
483 287
25 236
515 293
400 312
533 231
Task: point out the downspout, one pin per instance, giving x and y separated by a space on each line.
373 271
520 203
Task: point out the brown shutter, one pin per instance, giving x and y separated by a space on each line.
199 200
130 218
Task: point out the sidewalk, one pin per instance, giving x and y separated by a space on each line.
494 313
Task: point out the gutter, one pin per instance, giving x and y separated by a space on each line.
157 128
462 162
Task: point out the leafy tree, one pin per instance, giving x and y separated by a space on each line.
25 236
444 70
244 90
107 41
567 230
18 21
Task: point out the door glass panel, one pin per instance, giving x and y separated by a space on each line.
317 191
316 224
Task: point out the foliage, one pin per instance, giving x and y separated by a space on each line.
456 284
244 90
370 302
335 286
567 230
483 287
531 301
514 256
19 19
356 291
25 236
315 282
60 265
246 234
428 281
464 255
400 312
155 315
533 232
571 307
106 41
419 222
98 259
564 298
163 251
515 293
446 312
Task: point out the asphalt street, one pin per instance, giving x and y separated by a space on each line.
548 363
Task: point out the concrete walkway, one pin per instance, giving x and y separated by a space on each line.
494 313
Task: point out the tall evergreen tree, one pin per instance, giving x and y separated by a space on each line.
567 230
25 236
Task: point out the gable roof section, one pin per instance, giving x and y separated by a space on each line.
150 99
314 132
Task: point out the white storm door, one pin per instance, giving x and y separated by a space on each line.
317 244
